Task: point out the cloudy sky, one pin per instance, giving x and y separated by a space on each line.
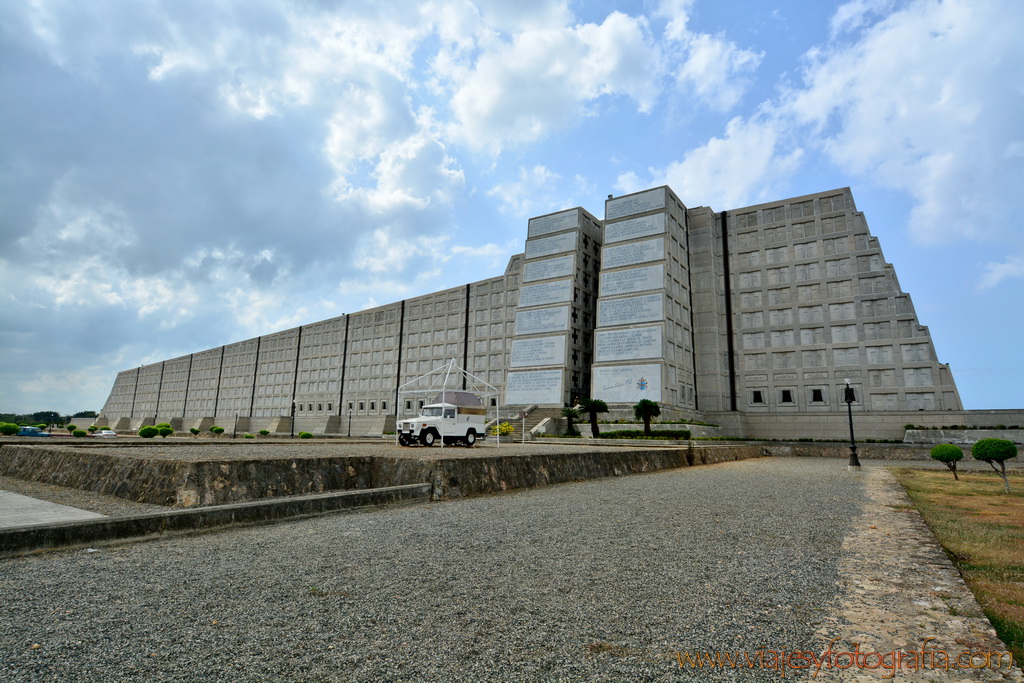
180 174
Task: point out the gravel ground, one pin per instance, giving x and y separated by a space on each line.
603 580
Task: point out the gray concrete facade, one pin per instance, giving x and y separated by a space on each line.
760 311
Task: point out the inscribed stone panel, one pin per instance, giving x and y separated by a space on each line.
543 387
541 351
643 226
629 344
632 254
627 383
551 245
548 268
635 309
633 280
542 320
545 225
546 293
650 200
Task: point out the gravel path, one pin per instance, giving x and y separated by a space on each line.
603 580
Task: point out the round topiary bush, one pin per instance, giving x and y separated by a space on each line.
948 454
995 451
248 436
8 428
264 432
148 432
80 433
93 429
71 428
217 430
194 431
165 431
305 435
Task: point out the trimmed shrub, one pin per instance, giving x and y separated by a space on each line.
44 426
217 430
8 428
995 451
164 431
248 436
948 454
194 431
93 429
80 433
71 429
264 432
305 435
148 432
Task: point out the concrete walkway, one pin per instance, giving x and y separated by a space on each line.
17 510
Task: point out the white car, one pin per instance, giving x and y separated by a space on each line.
108 433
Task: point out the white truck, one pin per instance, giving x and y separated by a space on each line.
456 417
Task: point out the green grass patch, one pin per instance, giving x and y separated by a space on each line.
982 529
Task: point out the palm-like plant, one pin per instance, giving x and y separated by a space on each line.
570 414
645 410
593 406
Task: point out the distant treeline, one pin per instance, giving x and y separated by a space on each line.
50 417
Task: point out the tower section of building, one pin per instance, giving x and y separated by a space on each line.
816 304
551 348
644 336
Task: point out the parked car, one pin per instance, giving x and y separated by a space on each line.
32 431
108 433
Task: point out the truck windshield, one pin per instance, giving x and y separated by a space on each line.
432 411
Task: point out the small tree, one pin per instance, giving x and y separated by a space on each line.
71 429
570 414
148 432
165 431
92 429
9 428
217 430
995 451
948 454
645 410
195 431
593 406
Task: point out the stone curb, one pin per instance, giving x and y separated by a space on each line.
21 540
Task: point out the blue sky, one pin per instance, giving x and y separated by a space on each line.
182 174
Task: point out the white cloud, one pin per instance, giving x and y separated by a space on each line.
532 193
748 164
519 91
711 68
996 273
714 70
923 102
852 15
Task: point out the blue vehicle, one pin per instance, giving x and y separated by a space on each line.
32 431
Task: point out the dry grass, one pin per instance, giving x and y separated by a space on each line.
982 528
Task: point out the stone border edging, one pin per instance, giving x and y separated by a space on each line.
20 540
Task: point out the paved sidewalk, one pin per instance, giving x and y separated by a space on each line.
17 510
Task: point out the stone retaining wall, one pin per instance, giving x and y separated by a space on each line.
219 481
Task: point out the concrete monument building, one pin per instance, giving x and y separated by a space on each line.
744 317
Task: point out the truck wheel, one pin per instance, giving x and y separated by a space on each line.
470 438
428 438
403 440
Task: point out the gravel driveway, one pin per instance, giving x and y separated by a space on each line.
603 580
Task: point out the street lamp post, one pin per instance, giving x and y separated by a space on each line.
849 397
293 420
350 422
